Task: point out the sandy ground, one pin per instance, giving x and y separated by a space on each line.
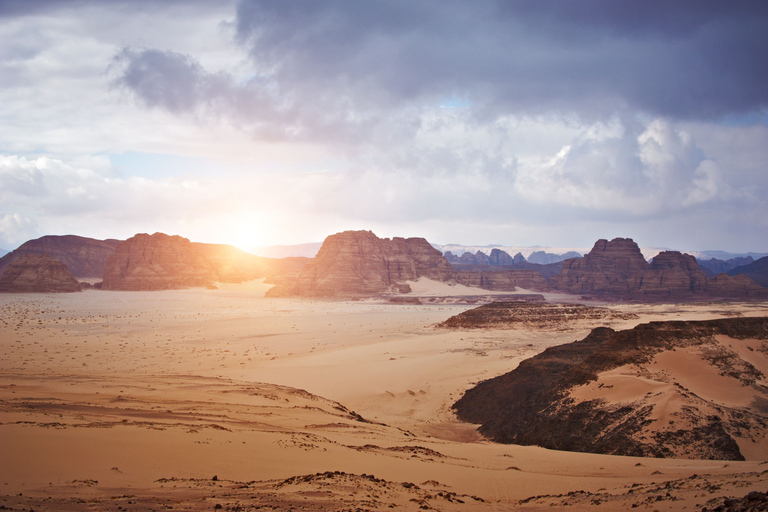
138 400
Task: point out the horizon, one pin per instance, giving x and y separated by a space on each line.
260 123
648 251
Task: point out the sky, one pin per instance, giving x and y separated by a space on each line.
253 122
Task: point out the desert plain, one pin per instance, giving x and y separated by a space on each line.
206 399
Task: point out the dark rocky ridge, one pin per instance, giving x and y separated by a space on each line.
531 404
511 314
37 273
83 257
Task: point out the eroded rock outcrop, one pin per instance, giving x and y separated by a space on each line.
637 392
162 262
513 314
613 267
501 280
37 273
618 269
358 263
83 257
156 262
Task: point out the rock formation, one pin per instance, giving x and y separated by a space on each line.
618 269
499 257
672 273
83 257
611 267
737 286
358 263
500 280
637 392
757 271
161 262
37 273
513 314
715 266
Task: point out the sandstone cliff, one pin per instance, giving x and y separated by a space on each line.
611 267
37 273
358 263
638 392
160 262
83 257
501 280
618 269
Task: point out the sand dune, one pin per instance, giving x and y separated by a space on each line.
138 399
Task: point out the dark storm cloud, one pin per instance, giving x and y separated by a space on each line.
679 59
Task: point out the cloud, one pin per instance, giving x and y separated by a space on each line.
517 121
15 229
527 57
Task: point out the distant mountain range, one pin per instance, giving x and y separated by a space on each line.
3 252
648 252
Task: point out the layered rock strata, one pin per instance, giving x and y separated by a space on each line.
638 392
618 269
500 280
358 263
37 273
522 314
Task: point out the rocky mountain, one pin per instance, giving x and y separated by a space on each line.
83 257
618 269
38 273
714 266
500 280
358 263
160 262
544 258
757 271
492 270
663 389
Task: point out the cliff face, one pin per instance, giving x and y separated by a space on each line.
161 262
156 262
83 257
672 273
613 267
37 273
358 263
618 269
501 280
637 392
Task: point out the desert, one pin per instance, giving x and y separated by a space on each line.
201 398
352 256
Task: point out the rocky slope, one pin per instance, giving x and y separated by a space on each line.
358 263
757 271
37 273
692 389
160 262
521 314
83 257
618 269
